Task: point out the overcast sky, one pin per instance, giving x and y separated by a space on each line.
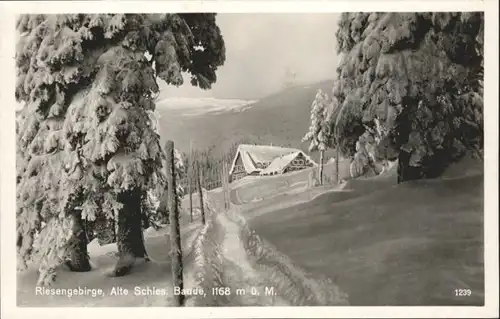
260 48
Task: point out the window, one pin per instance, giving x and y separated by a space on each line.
239 169
298 161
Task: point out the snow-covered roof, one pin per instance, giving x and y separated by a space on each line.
279 163
265 153
274 156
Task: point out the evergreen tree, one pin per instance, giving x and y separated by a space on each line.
418 76
332 121
84 136
319 131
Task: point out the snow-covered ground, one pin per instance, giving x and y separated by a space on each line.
200 106
420 234
239 271
95 288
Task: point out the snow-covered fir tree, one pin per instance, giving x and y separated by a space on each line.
150 202
419 76
318 135
336 140
84 137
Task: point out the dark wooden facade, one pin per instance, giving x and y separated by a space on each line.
298 163
239 169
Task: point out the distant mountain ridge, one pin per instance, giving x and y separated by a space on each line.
200 106
280 119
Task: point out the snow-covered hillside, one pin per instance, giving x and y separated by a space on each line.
219 123
200 106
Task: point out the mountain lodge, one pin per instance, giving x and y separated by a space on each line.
267 160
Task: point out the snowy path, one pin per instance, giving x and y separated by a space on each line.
259 275
253 267
239 272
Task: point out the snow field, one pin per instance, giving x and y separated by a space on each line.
292 284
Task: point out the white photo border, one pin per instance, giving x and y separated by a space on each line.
8 12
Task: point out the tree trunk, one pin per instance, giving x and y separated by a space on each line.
145 225
175 236
337 164
145 221
228 190
89 231
200 191
190 179
321 155
405 171
191 202
79 258
402 164
225 186
130 240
